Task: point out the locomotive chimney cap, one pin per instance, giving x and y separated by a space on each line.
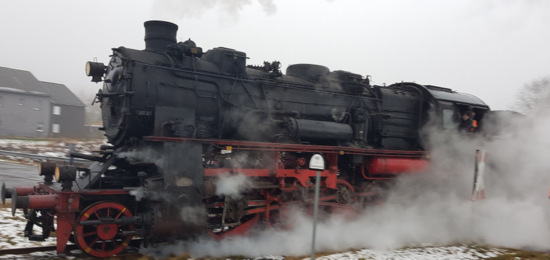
160 23
159 35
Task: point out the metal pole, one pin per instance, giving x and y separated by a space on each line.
315 211
72 149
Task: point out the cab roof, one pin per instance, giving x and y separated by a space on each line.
446 94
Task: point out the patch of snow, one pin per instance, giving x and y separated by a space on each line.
12 231
49 148
23 142
428 253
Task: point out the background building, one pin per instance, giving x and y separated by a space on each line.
68 112
31 108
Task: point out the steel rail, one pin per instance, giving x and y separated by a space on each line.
28 250
37 157
130 251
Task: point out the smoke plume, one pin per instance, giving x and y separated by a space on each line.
143 155
232 185
175 10
433 207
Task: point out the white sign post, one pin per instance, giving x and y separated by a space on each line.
316 163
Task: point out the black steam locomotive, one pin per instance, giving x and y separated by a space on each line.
180 121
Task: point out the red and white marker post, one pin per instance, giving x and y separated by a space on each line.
478 192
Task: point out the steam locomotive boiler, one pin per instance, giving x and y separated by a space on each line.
181 121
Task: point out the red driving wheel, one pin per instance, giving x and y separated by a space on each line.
97 232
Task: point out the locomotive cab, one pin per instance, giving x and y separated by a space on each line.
450 106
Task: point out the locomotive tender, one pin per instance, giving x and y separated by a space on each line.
180 121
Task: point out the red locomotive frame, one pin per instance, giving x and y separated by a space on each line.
106 227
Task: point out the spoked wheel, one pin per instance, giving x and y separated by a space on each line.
98 233
374 193
247 224
345 199
345 192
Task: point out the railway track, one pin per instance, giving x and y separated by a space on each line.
29 250
43 158
70 249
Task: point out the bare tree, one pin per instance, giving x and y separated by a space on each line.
534 96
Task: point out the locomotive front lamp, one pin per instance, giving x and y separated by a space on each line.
47 169
96 70
65 175
65 172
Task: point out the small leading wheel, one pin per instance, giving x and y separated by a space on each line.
97 231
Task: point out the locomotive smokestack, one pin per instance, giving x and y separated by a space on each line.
159 34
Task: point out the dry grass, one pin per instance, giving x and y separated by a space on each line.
516 254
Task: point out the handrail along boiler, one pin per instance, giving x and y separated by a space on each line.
181 120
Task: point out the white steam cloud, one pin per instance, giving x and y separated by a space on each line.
175 9
143 155
232 185
193 215
432 207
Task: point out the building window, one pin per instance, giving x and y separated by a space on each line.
55 128
38 105
40 127
56 110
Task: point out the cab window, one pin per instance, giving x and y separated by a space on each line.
448 116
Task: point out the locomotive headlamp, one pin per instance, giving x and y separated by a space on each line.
65 173
47 169
95 70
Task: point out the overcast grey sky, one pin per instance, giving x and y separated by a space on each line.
489 48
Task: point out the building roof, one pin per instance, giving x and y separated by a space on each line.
23 82
18 91
61 95
20 81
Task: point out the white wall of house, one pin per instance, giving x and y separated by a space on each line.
24 114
